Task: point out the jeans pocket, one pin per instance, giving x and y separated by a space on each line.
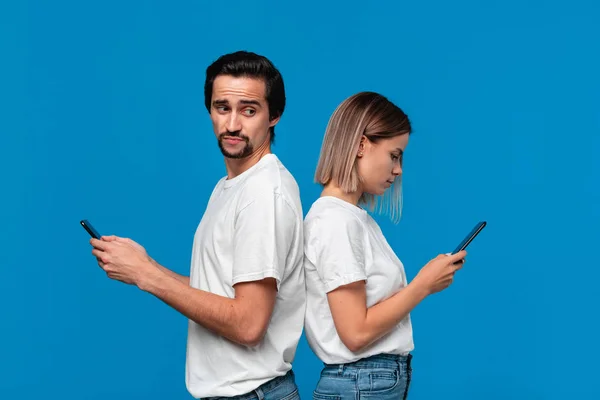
383 380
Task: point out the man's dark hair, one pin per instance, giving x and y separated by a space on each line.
251 65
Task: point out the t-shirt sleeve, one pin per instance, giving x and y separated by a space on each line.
263 233
337 243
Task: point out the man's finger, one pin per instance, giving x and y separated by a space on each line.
99 244
125 240
110 238
100 255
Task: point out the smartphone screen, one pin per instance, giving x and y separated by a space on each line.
469 238
90 229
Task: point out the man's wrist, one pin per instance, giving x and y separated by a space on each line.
150 281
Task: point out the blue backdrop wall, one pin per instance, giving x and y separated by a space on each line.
102 117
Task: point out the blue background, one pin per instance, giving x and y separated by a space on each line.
102 117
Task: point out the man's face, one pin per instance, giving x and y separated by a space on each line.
240 115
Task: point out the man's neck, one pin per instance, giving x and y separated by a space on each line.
237 166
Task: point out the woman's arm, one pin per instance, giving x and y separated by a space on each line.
359 326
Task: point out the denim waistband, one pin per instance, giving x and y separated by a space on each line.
376 361
264 388
273 383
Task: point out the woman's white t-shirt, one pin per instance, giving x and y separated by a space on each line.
344 244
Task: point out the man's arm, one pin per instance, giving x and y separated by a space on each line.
264 229
243 319
183 279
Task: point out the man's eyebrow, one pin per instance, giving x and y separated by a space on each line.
399 150
224 102
251 102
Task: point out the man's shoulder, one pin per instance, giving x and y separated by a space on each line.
217 188
272 184
272 178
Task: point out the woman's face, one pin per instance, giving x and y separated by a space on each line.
379 164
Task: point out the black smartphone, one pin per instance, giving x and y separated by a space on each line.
90 229
469 238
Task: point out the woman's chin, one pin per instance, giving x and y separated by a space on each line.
377 191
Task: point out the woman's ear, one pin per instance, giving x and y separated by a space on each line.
361 146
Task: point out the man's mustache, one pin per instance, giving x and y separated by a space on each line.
237 134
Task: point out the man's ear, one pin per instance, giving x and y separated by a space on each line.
274 121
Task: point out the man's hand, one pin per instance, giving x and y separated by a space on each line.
124 260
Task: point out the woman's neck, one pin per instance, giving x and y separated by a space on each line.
334 190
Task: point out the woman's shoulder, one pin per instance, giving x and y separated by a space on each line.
332 214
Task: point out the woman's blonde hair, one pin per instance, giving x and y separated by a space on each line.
366 114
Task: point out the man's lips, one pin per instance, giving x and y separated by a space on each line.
232 140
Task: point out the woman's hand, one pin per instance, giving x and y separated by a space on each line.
438 273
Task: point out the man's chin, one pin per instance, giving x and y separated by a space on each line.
229 152
235 155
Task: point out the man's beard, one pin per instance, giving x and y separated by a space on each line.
245 152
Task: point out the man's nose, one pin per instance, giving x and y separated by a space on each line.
234 124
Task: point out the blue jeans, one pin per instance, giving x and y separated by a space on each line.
280 388
380 377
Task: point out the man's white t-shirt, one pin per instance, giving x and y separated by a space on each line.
344 244
252 229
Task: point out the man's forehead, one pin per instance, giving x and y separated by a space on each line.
238 87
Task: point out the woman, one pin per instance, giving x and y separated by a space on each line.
358 303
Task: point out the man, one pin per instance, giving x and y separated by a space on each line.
245 297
